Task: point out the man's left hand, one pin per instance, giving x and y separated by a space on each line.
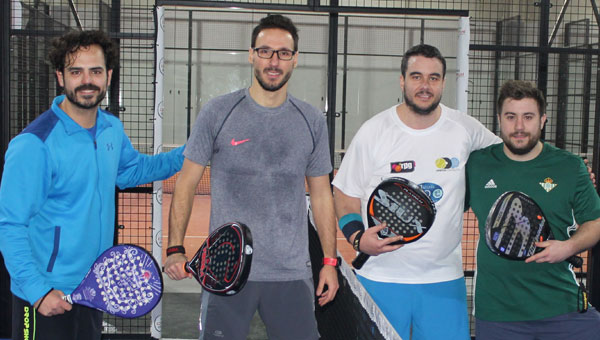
328 285
554 251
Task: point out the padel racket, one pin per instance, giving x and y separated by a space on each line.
222 264
124 281
404 206
514 224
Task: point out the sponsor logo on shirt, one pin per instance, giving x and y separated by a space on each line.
490 184
434 191
548 184
446 163
238 142
403 166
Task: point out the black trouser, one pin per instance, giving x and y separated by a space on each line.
77 324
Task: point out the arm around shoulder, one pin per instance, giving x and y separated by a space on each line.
136 168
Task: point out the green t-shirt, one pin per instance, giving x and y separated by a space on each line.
508 290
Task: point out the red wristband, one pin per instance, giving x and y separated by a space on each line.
331 261
175 250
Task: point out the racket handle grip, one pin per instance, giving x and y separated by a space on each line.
576 261
185 267
360 260
68 298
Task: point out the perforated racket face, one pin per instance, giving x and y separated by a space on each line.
124 281
222 264
403 205
513 225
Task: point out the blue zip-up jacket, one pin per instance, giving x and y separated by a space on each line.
57 197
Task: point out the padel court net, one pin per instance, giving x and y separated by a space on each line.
352 314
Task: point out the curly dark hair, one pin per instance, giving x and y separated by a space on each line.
521 89
276 21
72 41
423 50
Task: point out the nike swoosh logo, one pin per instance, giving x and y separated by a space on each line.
236 143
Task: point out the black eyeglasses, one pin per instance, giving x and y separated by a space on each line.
267 53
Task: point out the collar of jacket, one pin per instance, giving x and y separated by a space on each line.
70 125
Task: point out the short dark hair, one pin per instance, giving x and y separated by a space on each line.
276 21
520 89
424 50
72 41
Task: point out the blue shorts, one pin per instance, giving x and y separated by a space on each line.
575 325
434 310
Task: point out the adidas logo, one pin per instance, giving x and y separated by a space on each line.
490 185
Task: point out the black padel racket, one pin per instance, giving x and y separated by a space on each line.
404 206
514 223
124 281
222 264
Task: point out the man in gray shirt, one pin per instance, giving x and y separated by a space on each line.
262 144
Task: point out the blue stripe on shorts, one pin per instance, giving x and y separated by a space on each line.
434 310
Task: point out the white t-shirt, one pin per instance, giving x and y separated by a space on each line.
435 159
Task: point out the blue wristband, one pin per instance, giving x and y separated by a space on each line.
351 223
347 219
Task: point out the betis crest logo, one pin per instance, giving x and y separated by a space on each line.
548 184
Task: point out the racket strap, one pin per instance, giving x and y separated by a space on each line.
582 295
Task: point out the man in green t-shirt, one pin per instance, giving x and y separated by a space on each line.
537 298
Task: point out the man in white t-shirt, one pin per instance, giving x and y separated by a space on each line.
418 285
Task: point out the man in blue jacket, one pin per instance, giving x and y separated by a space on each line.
57 196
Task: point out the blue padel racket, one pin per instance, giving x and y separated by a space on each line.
515 222
222 264
124 281
404 206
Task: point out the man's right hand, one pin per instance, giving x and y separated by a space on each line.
174 267
52 304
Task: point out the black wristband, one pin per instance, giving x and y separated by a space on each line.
175 250
351 227
356 243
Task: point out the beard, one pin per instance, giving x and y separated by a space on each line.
419 110
85 103
520 150
271 87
